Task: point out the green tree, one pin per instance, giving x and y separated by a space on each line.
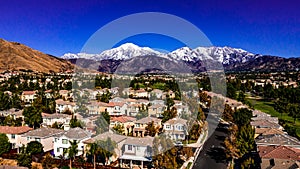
228 113
102 123
152 129
231 91
141 114
119 128
200 115
24 160
169 114
72 151
107 149
94 150
242 117
195 131
34 147
5 145
245 139
32 116
74 122
241 97
48 162
294 111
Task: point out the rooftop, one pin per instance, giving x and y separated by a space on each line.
176 121
279 152
141 141
43 132
123 119
76 133
147 120
14 130
115 137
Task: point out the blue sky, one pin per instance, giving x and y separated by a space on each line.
57 27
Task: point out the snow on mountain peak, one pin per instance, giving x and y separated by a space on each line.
226 55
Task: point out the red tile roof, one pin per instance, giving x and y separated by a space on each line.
113 104
14 130
123 119
279 152
28 92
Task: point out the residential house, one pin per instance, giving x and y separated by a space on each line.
279 157
43 135
50 119
156 93
14 134
141 124
169 93
62 106
126 121
153 102
14 113
49 94
137 152
267 132
118 139
176 128
156 110
259 115
133 109
263 123
277 139
95 107
28 96
65 94
62 141
117 108
141 93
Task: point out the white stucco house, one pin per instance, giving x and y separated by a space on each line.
43 135
136 151
62 141
176 128
14 134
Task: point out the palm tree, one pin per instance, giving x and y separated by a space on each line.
106 148
94 151
72 151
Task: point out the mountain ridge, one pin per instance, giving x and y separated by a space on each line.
16 56
232 59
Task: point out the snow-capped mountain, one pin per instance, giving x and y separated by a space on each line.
225 55
123 52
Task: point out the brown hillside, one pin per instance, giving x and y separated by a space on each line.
16 56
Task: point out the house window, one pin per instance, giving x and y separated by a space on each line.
64 141
130 147
137 125
55 140
28 138
58 150
13 136
168 127
137 148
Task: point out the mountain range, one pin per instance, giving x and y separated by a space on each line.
232 59
16 56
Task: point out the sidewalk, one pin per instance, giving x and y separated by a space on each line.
202 138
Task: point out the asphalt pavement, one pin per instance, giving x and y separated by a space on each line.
212 155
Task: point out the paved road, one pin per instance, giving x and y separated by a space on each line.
212 155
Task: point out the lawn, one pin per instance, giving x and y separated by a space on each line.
267 107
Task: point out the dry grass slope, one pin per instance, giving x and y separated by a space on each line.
16 56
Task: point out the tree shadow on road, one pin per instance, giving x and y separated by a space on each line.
218 154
